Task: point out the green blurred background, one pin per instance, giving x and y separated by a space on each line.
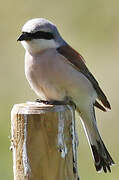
92 28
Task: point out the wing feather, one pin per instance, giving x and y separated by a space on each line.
76 60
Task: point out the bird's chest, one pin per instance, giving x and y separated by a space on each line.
40 69
41 74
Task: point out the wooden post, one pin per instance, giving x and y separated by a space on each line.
44 142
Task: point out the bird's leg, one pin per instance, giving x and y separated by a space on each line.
71 103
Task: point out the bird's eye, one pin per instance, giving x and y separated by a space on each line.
42 35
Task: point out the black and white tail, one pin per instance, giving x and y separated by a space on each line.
100 154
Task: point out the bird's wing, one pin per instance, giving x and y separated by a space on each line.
77 61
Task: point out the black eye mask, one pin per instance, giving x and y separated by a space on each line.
37 35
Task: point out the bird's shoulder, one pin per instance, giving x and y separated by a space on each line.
76 60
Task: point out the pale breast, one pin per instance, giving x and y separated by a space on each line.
52 77
41 74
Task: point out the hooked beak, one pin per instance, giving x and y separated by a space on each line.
24 37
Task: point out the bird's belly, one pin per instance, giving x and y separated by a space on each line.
41 80
53 80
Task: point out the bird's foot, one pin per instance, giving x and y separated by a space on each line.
51 102
55 102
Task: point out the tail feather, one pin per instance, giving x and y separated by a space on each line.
102 157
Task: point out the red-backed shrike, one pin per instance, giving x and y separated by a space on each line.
56 72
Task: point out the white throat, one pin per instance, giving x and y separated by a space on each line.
37 45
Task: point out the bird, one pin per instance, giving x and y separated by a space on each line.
58 73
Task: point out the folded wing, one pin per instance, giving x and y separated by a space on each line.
77 61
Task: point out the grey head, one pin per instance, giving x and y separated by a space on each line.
38 34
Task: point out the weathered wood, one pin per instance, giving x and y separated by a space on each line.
44 142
